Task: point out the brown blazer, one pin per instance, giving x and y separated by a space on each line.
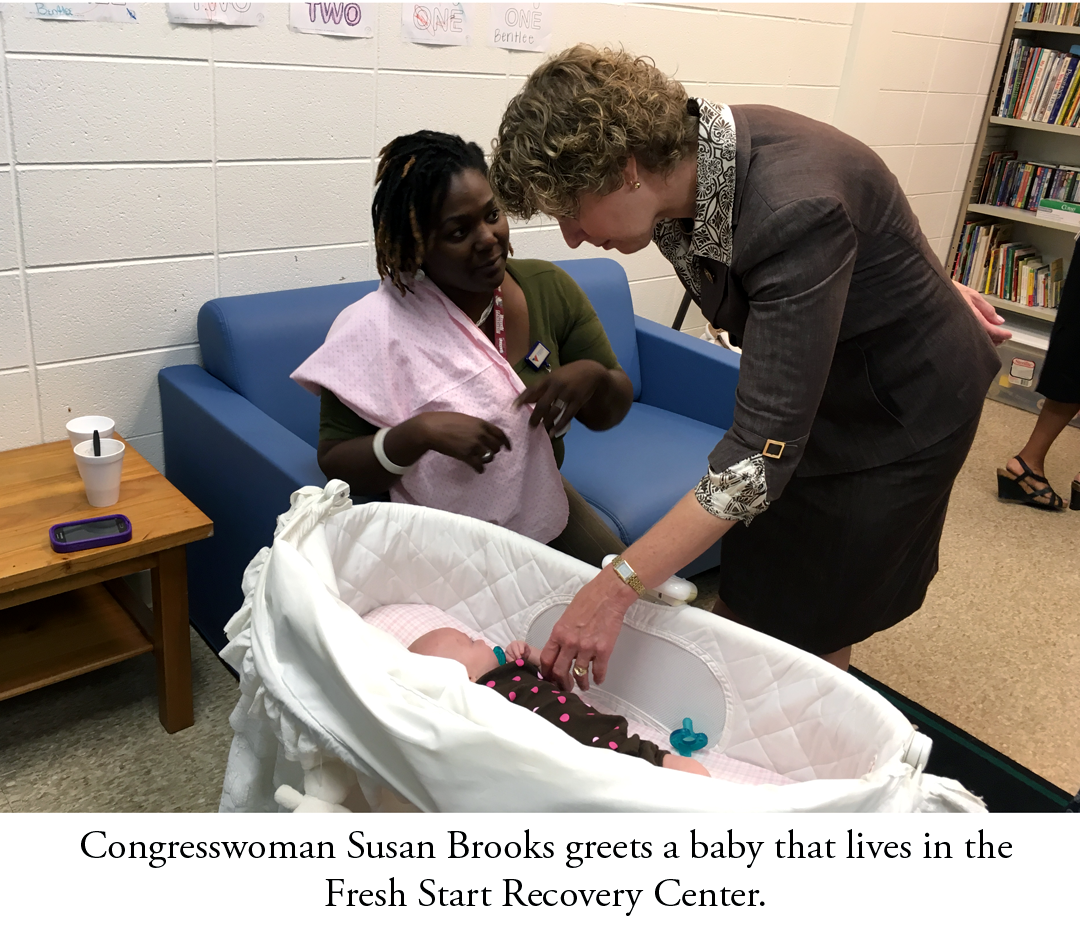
857 348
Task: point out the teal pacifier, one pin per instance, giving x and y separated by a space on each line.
685 740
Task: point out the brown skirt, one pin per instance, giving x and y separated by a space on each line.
837 558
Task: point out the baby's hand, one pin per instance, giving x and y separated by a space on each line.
518 649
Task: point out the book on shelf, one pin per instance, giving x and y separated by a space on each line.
995 165
1037 71
1019 184
1057 281
1064 78
1040 84
988 260
1055 14
1019 56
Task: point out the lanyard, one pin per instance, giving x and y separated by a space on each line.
500 324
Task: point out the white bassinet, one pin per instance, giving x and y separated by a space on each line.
320 687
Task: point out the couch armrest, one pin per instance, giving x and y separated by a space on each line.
239 466
686 375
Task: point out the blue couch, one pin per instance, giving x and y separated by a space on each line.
240 436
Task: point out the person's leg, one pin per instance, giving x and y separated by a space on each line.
1032 487
685 764
721 607
1052 421
586 536
841 658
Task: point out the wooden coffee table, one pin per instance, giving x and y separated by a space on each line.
63 614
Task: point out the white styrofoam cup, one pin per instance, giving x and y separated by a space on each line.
101 475
80 429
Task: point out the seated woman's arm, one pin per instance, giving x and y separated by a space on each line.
589 384
598 397
353 460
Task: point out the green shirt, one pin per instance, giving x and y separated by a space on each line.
560 317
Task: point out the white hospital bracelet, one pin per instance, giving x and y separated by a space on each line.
380 454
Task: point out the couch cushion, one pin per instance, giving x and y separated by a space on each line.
604 282
253 343
637 471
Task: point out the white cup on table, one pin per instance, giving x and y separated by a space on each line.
80 429
101 474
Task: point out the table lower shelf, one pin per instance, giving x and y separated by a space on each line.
55 638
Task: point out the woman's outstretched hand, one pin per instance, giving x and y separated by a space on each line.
559 396
587 631
985 313
463 437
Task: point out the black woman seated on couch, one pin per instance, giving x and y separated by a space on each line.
426 384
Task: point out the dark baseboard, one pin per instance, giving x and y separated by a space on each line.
1005 785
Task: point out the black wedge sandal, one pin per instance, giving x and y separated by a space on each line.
1074 503
1023 489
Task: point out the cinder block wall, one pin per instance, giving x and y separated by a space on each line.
149 167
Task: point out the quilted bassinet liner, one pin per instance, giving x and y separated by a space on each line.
318 684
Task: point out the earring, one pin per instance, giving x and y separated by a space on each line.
637 184
511 247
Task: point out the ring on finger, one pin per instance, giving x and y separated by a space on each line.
580 671
487 457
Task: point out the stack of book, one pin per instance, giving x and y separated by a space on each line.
1058 14
1010 270
1024 184
1040 85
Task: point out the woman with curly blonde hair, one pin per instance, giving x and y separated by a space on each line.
863 366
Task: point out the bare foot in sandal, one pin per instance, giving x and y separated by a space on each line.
1019 482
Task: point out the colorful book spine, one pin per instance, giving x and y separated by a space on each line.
1062 90
1010 82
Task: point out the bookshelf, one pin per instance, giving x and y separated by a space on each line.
1039 142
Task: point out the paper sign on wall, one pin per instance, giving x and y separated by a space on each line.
225 14
82 12
356 20
435 23
520 26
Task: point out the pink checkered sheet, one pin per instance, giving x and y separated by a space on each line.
407 622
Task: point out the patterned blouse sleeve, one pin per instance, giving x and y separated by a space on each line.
738 493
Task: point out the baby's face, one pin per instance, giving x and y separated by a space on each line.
475 655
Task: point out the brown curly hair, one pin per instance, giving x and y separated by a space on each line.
576 122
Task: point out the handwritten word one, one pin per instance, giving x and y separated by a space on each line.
525 18
446 19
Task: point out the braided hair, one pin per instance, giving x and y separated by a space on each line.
412 181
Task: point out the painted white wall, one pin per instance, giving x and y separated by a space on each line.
146 168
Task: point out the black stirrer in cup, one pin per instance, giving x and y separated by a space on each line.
97 444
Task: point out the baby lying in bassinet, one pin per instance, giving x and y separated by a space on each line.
514 675
408 622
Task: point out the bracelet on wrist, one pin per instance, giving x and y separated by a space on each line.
380 454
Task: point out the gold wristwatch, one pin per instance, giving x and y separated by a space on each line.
626 572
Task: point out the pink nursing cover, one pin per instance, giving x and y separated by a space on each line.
389 358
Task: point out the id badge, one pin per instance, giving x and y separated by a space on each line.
538 355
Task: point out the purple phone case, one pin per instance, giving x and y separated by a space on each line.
71 547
